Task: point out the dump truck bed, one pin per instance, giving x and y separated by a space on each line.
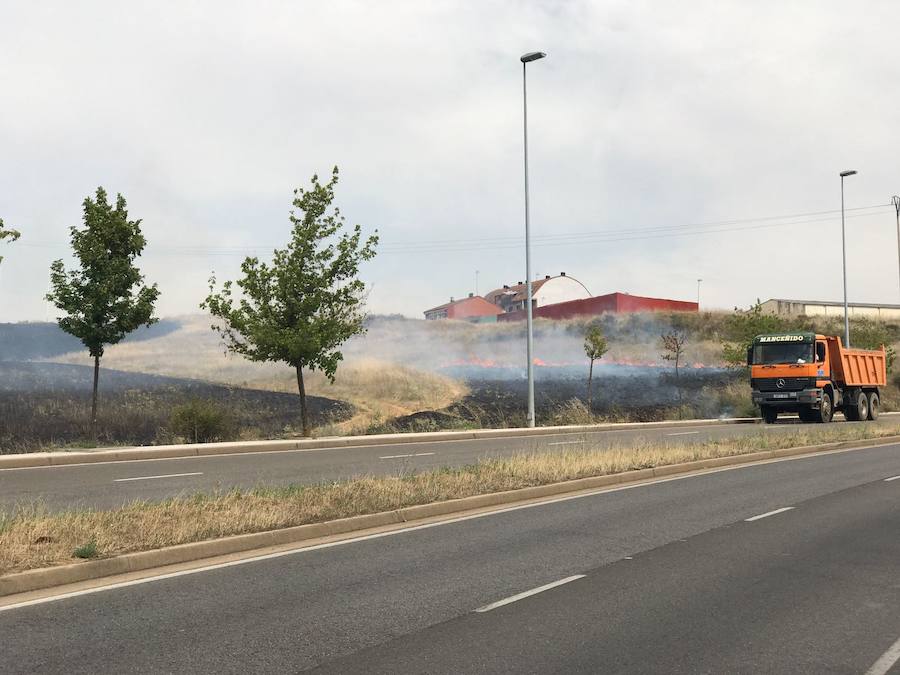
858 367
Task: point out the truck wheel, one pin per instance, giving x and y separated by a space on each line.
874 405
861 407
768 414
851 407
826 410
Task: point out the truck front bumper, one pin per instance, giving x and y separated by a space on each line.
788 400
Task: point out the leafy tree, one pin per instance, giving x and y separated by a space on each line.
740 329
595 347
105 298
300 309
7 233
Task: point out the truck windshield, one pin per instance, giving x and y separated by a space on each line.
770 354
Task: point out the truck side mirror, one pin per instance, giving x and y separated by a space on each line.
750 355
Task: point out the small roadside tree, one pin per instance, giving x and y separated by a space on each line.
673 349
595 347
7 233
105 297
300 309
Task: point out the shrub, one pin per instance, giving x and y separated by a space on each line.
203 421
88 550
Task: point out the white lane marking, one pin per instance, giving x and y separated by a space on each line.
887 660
526 594
684 433
566 443
766 515
888 480
168 475
416 454
449 521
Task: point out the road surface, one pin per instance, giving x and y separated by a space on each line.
782 567
109 485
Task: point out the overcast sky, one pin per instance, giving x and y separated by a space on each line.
645 116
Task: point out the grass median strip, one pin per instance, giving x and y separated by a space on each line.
32 537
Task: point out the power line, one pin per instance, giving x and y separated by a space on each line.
511 242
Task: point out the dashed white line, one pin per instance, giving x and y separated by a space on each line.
168 475
766 515
684 433
887 660
416 454
526 594
888 480
566 443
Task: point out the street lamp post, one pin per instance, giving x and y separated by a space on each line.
698 294
895 200
526 59
844 174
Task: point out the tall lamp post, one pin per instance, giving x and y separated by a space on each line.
698 294
844 174
526 59
895 200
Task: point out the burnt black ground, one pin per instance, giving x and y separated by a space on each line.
42 403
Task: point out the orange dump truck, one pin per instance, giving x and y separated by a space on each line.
814 376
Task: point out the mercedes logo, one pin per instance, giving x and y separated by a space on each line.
780 383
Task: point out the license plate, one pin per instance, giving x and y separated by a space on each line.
781 396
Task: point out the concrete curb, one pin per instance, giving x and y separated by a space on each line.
34 459
49 577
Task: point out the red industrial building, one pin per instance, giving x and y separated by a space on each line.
472 308
553 297
616 303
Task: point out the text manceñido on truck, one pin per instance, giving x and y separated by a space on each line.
813 376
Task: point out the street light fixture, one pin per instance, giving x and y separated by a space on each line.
844 174
526 59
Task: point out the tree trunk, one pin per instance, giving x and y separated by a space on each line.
590 387
94 399
304 415
678 386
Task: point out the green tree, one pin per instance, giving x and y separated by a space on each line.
744 325
300 309
595 347
7 233
104 298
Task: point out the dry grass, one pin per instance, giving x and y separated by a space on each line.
32 537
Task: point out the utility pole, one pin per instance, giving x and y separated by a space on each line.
844 174
476 282
526 59
895 200
698 294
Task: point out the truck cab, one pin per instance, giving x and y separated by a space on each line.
814 375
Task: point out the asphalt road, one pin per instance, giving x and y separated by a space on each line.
670 577
109 485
